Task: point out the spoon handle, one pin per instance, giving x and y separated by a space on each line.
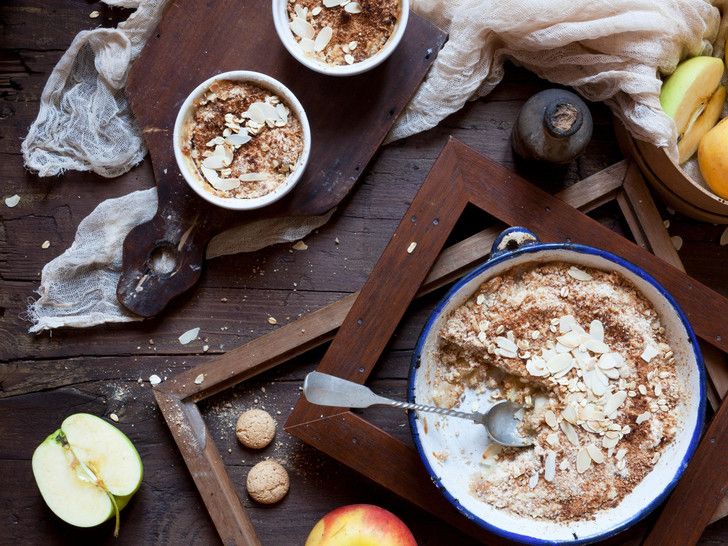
477 417
327 390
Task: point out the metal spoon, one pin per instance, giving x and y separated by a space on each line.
327 390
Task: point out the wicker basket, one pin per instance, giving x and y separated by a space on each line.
674 186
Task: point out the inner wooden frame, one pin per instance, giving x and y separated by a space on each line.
414 263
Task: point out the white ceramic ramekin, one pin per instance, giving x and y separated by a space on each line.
282 24
194 177
465 442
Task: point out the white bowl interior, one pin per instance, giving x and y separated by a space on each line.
455 435
189 170
280 20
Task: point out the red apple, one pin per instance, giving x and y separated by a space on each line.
360 525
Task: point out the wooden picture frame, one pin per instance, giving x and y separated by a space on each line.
366 320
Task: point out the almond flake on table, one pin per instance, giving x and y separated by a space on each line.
94 14
189 336
45 244
723 237
114 417
13 200
199 379
300 245
154 379
411 247
272 320
677 242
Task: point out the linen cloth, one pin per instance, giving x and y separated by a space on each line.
608 51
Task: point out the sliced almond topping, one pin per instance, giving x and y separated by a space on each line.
225 184
583 461
559 362
307 45
332 3
480 299
596 330
550 418
315 11
570 339
323 38
533 481
642 417
302 28
507 344
595 453
579 274
536 366
549 467
349 59
569 413
214 162
238 139
353 7
570 432
553 439
596 346
253 177
649 353
621 452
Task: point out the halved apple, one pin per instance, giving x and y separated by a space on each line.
688 144
87 471
686 96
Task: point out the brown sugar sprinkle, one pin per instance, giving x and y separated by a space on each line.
346 32
265 152
594 439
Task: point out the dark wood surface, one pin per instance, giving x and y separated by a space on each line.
349 119
44 378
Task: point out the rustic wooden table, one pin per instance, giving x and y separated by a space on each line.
105 370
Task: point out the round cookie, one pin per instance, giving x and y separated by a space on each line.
255 428
267 482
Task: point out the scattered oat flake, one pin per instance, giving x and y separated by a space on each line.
94 14
205 348
13 200
336 241
114 417
45 244
411 247
723 237
199 379
300 245
189 336
154 379
677 242
272 320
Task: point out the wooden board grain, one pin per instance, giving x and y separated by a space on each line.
349 119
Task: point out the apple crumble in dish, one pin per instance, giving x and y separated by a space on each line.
586 356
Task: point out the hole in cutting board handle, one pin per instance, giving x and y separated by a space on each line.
163 259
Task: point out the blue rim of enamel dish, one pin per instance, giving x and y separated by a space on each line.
504 255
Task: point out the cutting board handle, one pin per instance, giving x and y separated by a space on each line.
162 259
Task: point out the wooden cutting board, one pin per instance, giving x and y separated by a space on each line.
349 119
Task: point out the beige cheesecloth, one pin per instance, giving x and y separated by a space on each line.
608 51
